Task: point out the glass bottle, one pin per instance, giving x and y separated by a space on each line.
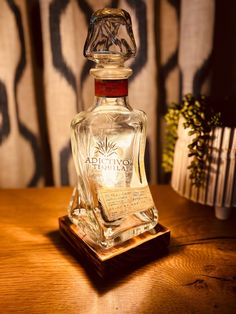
112 201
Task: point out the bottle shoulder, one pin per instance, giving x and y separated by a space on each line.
113 115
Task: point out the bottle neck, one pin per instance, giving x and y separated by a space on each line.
111 88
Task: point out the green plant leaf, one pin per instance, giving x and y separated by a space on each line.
196 118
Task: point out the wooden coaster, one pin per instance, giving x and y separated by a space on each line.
105 262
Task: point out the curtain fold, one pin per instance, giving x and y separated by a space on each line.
20 151
195 45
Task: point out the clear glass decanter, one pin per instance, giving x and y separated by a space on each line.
112 201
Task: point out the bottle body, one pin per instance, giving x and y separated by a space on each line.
112 201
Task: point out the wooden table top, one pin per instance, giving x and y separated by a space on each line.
39 274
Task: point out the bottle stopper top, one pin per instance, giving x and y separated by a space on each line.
110 37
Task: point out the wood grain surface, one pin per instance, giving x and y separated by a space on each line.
40 274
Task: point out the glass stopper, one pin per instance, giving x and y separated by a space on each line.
110 37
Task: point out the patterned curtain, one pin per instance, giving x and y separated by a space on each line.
44 78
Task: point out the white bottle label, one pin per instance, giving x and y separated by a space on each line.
120 202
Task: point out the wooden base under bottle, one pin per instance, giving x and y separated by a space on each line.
123 257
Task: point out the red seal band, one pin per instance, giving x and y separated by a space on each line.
111 88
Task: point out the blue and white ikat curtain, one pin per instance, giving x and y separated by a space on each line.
44 78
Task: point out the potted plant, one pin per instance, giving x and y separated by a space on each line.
200 153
